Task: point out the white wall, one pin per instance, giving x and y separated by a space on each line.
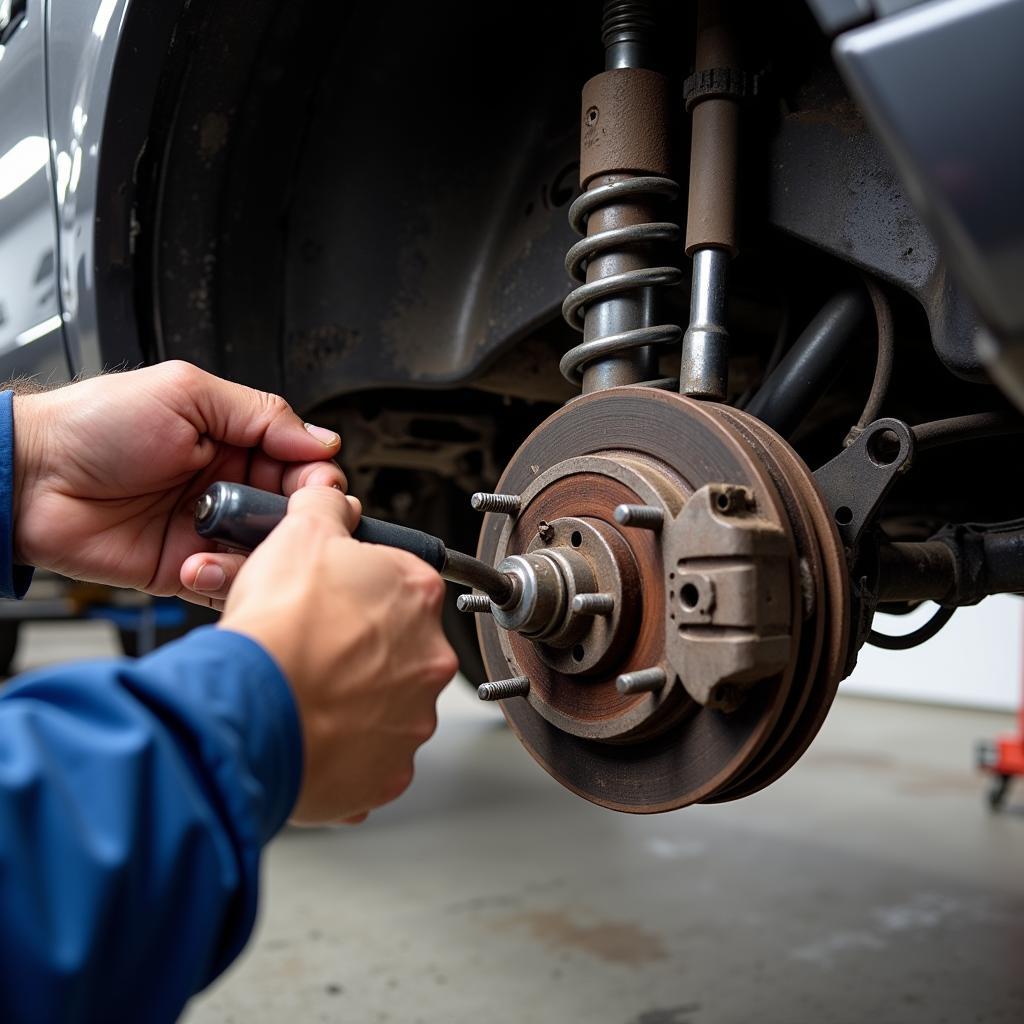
977 660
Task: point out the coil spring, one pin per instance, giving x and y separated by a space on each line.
576 259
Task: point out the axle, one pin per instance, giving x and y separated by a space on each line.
959 566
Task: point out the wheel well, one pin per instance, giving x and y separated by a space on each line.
334 201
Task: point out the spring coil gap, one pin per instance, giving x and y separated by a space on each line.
576 259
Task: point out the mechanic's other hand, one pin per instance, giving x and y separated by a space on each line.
356 628
107 472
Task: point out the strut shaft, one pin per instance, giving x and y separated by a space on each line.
712 96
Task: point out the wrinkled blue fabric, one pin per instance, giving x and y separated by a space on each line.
14 579
135 798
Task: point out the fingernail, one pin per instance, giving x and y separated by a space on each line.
328 438
210 577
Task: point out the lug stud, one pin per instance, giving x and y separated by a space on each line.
504 504
517 686
593 604
646 680
473 603
645 517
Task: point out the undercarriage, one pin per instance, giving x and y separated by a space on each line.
757 418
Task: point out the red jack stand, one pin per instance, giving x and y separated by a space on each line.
1003 760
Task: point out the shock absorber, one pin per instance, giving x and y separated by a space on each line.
624 170
713 94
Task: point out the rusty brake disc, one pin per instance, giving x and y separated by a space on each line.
737 606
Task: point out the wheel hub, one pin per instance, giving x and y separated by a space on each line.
686 650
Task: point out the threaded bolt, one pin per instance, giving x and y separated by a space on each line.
473 603
646 680
627 20
517 686
644 517
593 604
504 504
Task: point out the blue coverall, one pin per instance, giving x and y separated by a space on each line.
135 798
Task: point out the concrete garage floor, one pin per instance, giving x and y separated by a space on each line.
870 884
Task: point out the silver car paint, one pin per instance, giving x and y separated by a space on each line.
82 44
31 336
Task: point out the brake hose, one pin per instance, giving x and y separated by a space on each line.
914 638
883 362
967 428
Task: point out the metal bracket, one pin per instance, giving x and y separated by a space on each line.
856 481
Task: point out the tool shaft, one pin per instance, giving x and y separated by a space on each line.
241 517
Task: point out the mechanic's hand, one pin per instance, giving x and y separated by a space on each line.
356 628
107 472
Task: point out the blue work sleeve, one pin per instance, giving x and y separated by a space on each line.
135 798
14 579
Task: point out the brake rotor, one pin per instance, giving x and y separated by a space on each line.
739 602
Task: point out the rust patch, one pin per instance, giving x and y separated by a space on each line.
317 349
617 942
843 115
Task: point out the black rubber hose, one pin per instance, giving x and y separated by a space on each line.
813 363
918 636
1004 561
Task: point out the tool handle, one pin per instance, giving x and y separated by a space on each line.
241 517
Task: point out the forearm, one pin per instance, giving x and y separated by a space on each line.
135 798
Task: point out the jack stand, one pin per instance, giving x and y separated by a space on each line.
1003 759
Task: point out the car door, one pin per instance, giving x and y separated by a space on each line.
31 333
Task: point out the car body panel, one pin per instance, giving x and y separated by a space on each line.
31 335
942 86
83 41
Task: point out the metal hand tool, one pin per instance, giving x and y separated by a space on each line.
240 517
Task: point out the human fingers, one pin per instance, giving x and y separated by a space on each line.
285 477
324 507
311 474
216 603
242 416
356 630
209 574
